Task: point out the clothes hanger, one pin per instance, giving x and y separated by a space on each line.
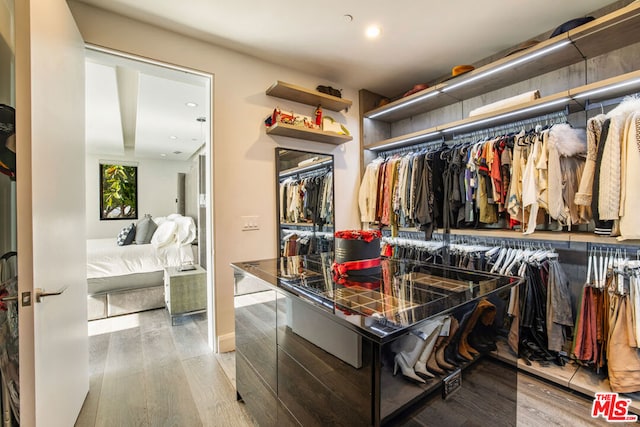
508 264
501 254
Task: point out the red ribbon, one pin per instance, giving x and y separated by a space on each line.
341 270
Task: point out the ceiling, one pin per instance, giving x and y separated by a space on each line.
139 109
136 107
420 41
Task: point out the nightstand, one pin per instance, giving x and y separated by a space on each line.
185 292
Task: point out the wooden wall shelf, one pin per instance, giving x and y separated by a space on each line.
299 132
306 96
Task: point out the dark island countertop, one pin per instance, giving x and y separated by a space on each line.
382 306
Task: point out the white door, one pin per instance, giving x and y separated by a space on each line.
54 371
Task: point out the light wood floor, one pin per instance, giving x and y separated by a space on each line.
145 372
149 373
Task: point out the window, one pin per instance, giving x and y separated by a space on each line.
118 192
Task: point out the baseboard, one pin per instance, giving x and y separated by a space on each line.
227 342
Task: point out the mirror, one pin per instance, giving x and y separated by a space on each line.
9 322
305 202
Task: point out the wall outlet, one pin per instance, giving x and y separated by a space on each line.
250 223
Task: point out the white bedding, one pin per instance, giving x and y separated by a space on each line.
106 259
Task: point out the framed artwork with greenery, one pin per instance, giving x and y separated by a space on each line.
118 192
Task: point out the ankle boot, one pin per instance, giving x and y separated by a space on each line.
464 348
482 338
433 331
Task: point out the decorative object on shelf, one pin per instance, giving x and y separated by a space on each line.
570 25
330 125
329 91
522 46
382 102
318 116
416 88
291 118
458 70
357 253
523 98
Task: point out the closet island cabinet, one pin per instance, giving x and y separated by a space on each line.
315 351
313 98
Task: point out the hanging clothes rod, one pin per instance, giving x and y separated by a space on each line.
298 170
516 126
314 173
430 145
589 105
319 234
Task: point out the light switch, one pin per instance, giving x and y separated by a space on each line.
250 223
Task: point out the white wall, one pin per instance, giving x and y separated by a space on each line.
157 192
243 156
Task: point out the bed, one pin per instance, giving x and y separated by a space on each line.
130 278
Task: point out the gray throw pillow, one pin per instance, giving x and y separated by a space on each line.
145 229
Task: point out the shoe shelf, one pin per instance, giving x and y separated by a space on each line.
570 376
587 41
283 129
302 95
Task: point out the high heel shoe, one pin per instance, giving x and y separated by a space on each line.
421 365
407 371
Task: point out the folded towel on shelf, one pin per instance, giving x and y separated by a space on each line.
505 103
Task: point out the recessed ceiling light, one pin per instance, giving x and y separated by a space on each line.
194 139
191 104
347 18
372 31
177 152
173 137
163 155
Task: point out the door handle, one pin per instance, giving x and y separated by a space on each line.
7 299
41 293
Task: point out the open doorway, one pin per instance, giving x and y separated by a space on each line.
149 126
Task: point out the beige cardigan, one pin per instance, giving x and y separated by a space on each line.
630 176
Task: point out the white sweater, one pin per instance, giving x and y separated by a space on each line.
609 197
368 194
